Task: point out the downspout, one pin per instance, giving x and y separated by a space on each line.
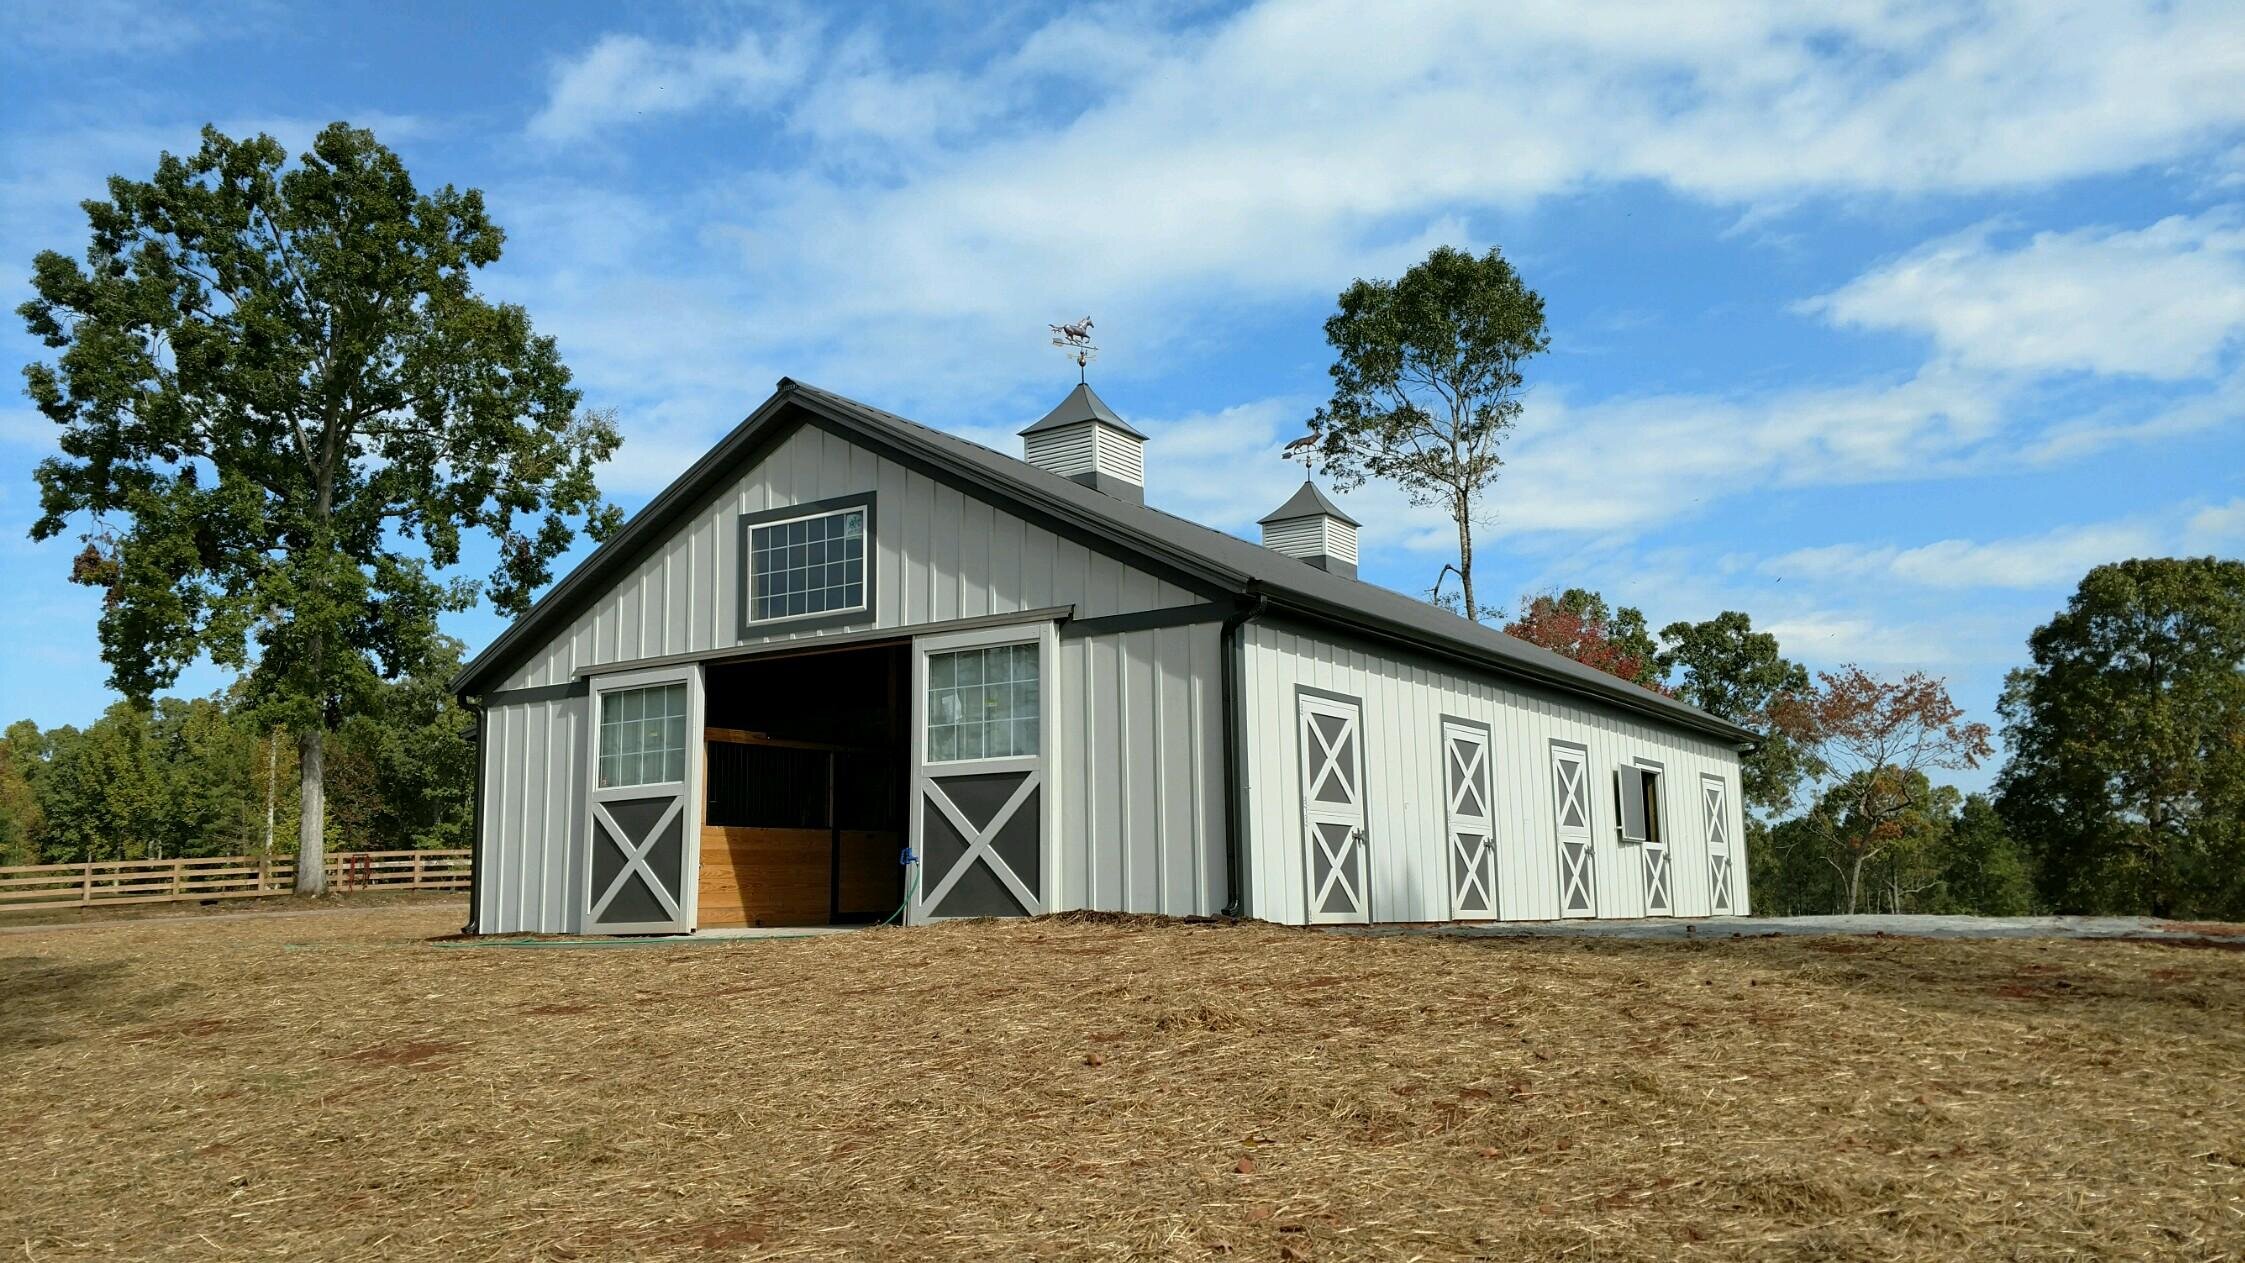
1235 789
475 824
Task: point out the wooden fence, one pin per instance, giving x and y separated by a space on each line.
221 877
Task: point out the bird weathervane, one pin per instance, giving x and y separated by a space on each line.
1076 340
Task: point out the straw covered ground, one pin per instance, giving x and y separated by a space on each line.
335 1086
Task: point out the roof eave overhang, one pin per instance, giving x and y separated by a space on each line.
777 414
1372 626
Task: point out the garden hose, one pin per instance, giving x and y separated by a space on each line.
911 863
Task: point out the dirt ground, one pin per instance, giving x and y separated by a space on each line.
336 1086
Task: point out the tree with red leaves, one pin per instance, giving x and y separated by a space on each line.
1871 742
1578 624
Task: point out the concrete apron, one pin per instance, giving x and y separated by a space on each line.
1935 927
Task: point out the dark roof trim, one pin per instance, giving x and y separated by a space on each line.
1384 635
1182 569
1208 562
791 404
644 529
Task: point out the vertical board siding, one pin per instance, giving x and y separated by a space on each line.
532 846
938 554
1404 702
1137 740
1138 721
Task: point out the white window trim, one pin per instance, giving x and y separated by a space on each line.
748 566
630 683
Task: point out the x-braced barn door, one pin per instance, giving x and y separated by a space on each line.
645 811
1473 855
980 799
1333 810
1570 783
1713 800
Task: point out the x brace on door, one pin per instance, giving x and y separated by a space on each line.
635 858
980 844
1330 763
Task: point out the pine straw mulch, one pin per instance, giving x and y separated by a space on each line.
333 1087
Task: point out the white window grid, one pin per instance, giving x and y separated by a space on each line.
643 736
808 565
983 703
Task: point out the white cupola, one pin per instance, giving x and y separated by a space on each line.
1310 526
1084 441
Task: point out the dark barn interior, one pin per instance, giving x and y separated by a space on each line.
807 758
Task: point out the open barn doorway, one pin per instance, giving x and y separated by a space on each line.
808 759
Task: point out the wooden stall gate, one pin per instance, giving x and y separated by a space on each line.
798 832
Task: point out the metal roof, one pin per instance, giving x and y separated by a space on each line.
1307 501
1081 405
1221 562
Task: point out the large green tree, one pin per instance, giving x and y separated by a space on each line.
97 792
23 754
1726 668
2127 739
412 763
1983 868
282 405
1426 384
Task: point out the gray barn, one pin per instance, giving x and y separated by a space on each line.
841 634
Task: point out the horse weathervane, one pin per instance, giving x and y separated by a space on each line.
1076 340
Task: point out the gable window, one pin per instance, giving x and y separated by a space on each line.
983 703
807 562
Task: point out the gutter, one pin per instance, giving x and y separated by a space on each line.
1235 846
475 825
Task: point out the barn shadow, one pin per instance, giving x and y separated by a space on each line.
51 1001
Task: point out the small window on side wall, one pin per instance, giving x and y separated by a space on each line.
1637 803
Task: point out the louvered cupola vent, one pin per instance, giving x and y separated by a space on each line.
1084 440
1310 526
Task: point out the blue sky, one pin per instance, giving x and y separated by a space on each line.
1880 321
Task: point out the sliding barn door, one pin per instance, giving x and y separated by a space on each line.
644 805
1333 810
1472 851
1570 787
1714 804
981 797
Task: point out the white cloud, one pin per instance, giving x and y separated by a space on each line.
2217 529
2051 559
2162 301
1261 155
625 78
1165 178
108 28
